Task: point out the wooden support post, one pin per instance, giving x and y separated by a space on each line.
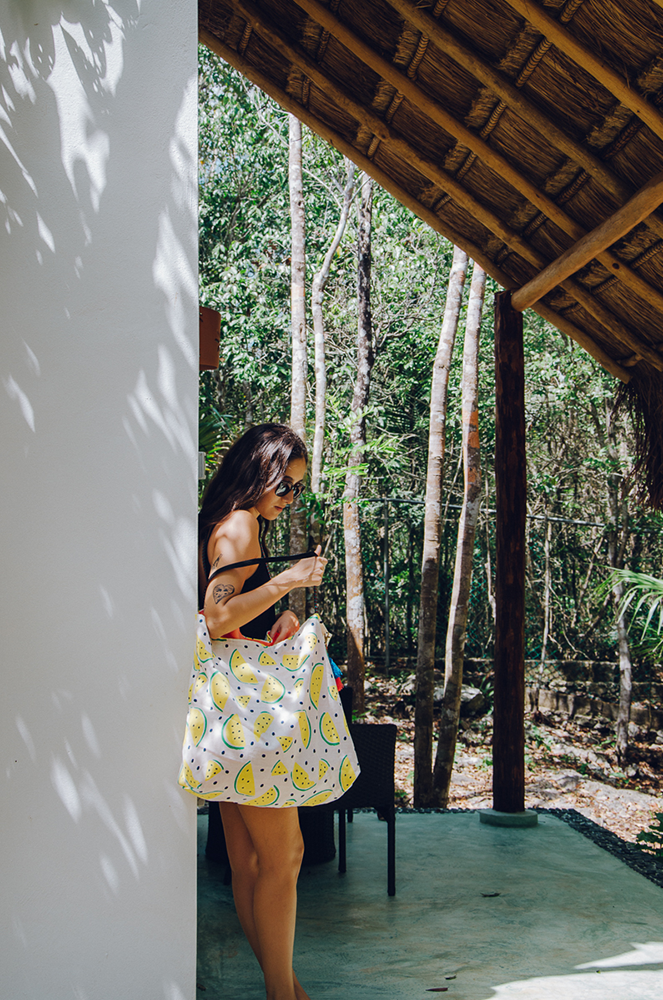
510 489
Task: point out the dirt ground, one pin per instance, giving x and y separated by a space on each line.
569 764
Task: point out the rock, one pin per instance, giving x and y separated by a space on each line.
401 710
472 701
409 686
640 715
569 780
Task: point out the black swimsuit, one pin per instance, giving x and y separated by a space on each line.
261 625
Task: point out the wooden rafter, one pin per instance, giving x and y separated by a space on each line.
613 82
290 104
633 212
499 85
419 99
278 41
495 161
381 131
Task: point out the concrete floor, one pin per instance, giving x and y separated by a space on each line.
570 921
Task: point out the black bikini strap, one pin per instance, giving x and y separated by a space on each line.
260 559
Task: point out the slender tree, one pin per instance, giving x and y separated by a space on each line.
298 320
245 246
608 433
618 512
423 713
351 527
317 295
469 516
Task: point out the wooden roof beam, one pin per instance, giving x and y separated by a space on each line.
623 221
514 242
613 82
499 85
288 102
382 131
476 253
495 161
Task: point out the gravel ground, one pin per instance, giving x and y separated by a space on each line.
570 765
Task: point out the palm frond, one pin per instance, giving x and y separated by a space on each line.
642 592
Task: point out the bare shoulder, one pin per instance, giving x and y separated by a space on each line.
234 539
241 524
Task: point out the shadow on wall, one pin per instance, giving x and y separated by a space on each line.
72 77
99 416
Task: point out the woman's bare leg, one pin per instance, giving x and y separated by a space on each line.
265 850
244 864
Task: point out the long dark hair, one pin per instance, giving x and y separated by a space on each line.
255 463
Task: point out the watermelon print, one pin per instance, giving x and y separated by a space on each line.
266 728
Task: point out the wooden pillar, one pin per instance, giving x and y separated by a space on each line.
511 496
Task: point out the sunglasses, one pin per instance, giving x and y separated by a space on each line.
284 488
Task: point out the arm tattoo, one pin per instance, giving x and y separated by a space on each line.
221 591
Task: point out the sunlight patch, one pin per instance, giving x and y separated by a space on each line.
14 391
597 986
650 953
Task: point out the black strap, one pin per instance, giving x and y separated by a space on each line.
260 559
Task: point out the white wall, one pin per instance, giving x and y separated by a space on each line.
98 396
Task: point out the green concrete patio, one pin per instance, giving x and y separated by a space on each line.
479 912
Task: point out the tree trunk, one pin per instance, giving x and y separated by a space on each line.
353 562
547 592
469 516
616 560
248 410
423 712
410 578
489 573
317 294
297 600
625 679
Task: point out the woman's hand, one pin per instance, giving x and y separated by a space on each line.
306 572
284 626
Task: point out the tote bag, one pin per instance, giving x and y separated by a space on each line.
265 725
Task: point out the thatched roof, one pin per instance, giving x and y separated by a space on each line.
513 128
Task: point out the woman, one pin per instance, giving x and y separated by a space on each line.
260 476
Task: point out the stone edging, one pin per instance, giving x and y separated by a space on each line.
624 850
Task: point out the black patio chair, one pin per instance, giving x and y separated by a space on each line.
374 788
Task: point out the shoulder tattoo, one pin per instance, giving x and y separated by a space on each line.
222 590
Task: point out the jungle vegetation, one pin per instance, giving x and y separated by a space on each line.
583 517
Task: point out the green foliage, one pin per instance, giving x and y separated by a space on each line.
645 592
245 274
214 428
244 246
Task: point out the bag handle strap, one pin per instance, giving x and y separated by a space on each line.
261 559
